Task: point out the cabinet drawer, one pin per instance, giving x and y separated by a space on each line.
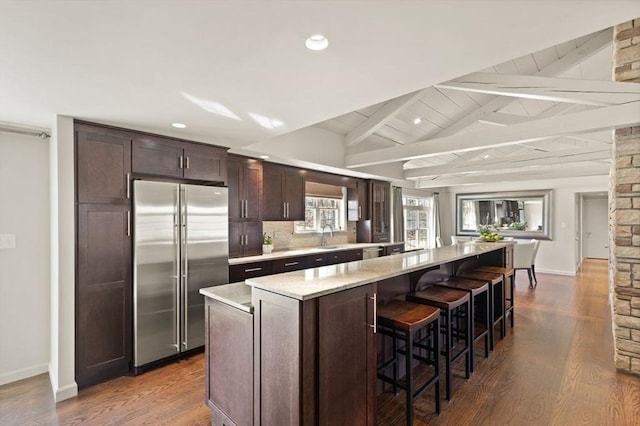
317 260
285 265
345 256
394 249
248 270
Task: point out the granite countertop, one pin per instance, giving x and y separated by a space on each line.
316 282
237 295
301 252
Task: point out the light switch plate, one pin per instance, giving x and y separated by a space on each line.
7 241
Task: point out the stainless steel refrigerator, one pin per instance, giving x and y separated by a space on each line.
180 234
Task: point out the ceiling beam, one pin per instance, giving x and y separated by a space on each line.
584 92
568 61
381 117
550 173
542 159
612 117
502 119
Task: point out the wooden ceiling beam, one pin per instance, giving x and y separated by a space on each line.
612 117
584 92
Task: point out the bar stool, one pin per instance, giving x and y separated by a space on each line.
479 292
401 321
508 275
496 294
450 301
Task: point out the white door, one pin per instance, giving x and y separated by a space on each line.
595 227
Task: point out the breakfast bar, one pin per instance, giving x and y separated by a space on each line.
304 350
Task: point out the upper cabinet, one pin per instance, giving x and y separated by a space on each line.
357 201
166 157
380 195
283 193
103 166
244 178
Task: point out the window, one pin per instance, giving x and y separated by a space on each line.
419 222
321 211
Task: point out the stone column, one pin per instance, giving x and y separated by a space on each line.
624 209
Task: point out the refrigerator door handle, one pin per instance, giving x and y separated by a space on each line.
185 270
177 344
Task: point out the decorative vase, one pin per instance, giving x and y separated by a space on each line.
267 248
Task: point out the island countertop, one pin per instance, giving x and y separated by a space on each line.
316 282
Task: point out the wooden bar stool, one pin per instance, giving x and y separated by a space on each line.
401 321
508 275
479 292
496 294
450 301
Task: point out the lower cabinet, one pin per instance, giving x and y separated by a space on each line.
103 293
394 249
315 359
241 272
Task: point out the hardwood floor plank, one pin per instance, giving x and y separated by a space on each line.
554 368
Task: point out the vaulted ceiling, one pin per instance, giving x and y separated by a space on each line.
238 75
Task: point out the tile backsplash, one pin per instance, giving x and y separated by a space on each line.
285 239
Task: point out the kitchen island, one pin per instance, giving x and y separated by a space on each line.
305 351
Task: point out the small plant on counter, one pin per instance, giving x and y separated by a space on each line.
267 240
518 226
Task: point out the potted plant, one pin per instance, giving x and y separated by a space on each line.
267 243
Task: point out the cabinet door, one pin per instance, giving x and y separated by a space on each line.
205 163
380 215
279 266
272 196
103 290
236 239
253 240
157 157
252 183
103 164
235 170
317 260
294 194
347 357
362 188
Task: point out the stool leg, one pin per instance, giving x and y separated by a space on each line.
492 315
447 354
469 335
503 323
395 364
409 391
487 321
436 353
513 299
471 330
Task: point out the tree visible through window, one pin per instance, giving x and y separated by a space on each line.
321 211
419 222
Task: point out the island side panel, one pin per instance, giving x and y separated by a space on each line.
284 385
347 357
229 363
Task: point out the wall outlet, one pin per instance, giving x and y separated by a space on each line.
7 241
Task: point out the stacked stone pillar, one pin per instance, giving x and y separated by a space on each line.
624 208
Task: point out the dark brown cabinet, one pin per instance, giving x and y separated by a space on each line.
380 211
394 249
325 373
357 202
347 357
239 273
344 256
103 311
245 239
283 193
244 178
103 293
177 159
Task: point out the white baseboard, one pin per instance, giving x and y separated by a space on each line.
556 272
23 373
66 392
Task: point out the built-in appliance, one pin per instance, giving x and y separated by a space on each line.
180 234
371 252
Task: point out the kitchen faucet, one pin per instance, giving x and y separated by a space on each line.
323 238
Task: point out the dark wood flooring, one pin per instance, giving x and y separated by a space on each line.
555 367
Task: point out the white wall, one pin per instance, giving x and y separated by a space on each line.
62 215
557 255
24 270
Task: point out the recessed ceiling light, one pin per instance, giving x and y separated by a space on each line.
317 42
417 120
486 156
264 157
179 125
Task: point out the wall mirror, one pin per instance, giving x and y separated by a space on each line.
518 214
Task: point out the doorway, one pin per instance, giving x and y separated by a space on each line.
595 212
